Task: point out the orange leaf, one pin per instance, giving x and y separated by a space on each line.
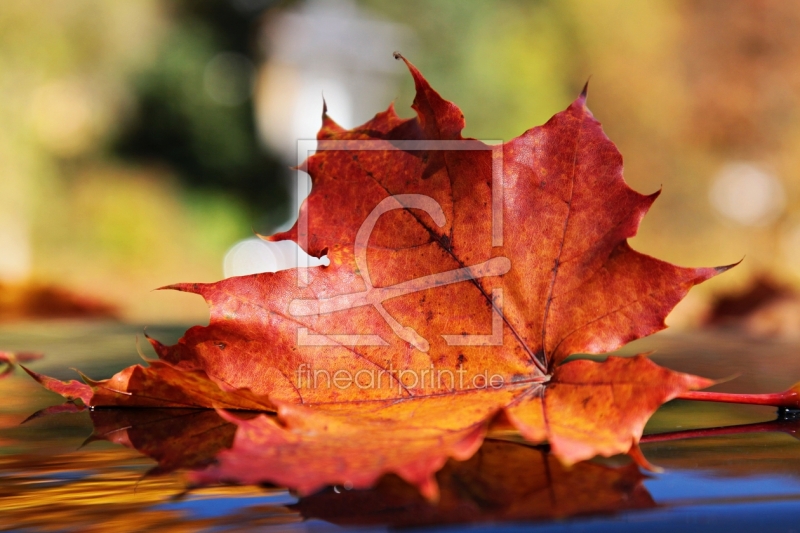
461 277
593 408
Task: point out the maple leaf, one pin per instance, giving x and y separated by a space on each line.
461 277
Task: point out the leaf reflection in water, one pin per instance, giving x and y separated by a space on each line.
502 481
175 438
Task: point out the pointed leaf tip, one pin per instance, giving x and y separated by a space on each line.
429 489
419 79
86 379
725 268
71 390
585 90
155 343
657 193
194 288
636 455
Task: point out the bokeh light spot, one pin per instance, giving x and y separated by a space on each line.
254 255
747 194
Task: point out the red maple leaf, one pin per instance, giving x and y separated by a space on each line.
461 277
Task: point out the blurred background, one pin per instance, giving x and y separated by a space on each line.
143 142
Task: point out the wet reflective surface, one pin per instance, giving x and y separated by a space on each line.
126 470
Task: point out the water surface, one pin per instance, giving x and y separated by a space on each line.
51 479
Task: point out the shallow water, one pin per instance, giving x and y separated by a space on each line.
51 481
